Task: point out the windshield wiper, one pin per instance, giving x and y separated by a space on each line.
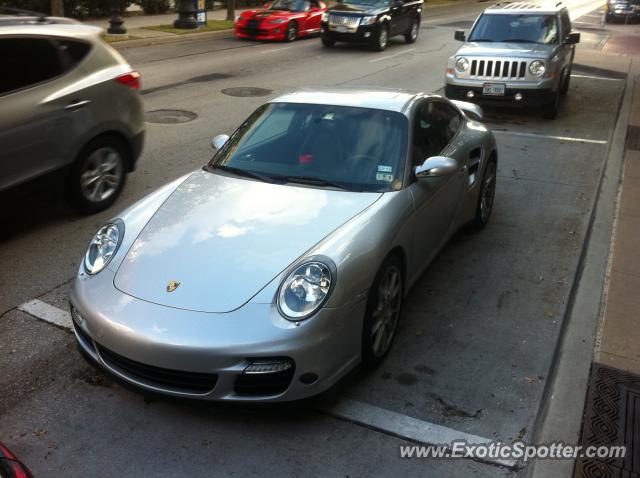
241 172
312 181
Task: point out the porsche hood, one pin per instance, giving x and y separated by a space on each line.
218 240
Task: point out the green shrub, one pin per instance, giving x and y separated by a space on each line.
72 8
152 7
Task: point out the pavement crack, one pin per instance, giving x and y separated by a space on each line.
450 410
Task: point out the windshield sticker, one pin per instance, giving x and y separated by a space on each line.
384 177
385 169
305 159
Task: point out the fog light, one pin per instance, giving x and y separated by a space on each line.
268 366
518 96
470 94
367 34
277 30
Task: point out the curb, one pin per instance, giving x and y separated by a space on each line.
560 417
160 40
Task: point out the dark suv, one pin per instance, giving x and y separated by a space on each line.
371 21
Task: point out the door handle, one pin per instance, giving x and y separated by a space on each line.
77 104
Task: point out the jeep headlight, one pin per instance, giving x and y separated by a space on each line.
325 17
305 290
462 64
103 246
537 68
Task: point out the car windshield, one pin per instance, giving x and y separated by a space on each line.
525 28
357 149
290 5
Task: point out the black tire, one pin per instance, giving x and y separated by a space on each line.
88 196
412 35
291 33
551 106
328 41
372 316
565 84
607 19
486 196
381 39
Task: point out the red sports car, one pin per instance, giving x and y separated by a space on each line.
282 20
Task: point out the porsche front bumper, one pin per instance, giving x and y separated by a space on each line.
205 355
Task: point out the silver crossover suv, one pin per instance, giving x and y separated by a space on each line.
70 104
519 52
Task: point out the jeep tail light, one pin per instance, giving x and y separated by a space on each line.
131 79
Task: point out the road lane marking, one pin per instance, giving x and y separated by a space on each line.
274 50
596 77
407 428
43 311
549 136
389 57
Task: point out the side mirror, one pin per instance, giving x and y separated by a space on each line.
266 6
314 9
219 141
436 166
459 35
398 3
572 38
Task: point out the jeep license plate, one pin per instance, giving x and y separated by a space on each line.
342 29
493 89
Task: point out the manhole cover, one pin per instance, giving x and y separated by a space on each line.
246 91
170 116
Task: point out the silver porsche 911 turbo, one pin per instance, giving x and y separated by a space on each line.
283 263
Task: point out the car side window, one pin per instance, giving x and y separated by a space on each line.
27 62
434 127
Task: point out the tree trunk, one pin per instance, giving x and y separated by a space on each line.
231 10
57 8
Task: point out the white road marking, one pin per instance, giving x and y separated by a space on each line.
274 50
388 57
597 77
549 136
406 427
43 311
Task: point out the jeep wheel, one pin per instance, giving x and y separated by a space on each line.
551 106
412 34
380 40
328 41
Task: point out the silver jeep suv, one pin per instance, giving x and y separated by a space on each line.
520 52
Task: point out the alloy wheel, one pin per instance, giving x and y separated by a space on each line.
488 192
386 311
102 174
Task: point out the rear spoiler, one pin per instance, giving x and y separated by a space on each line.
472 110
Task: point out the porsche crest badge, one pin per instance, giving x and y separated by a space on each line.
173 285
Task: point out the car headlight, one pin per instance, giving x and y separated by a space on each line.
305 289
277 21
103 246
368 20
537 68
325 17
462 64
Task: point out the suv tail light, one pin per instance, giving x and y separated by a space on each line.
131 79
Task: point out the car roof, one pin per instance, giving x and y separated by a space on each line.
382 99
12 25
526 7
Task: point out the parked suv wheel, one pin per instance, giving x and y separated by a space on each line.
99 174
551 106
381 39
328 41
414 29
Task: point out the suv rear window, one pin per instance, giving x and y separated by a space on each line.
27 62
524 28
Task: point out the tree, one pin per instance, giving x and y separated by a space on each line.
57 8
231 7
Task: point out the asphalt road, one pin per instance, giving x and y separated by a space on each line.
477 334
